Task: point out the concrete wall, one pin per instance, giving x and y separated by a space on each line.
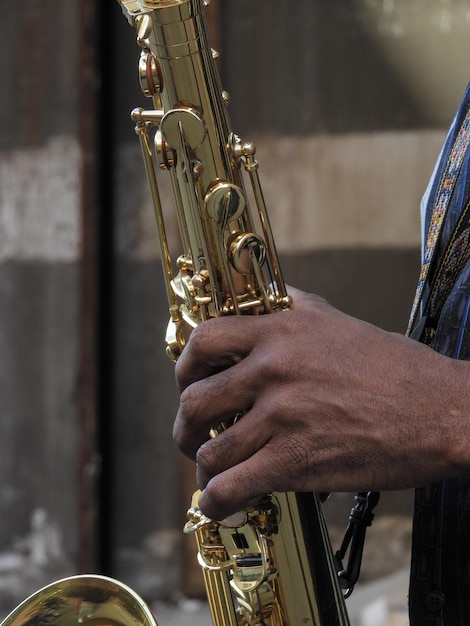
347 102
39 249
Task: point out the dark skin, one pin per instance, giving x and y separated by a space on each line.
330 403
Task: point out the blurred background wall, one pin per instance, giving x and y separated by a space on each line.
348 103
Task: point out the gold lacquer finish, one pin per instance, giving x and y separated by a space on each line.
85 600
227 263
271 564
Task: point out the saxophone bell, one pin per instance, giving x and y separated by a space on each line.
87 600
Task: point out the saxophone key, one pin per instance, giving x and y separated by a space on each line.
224 202
186 122
150 74
247 251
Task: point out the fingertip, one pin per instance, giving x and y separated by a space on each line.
214 501
227 493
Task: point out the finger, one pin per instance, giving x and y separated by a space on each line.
215 345
233 446
207 403
239 486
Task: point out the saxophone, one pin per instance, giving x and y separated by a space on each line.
271 564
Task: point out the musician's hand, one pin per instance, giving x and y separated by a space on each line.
329 403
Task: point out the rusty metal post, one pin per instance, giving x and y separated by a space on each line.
89 293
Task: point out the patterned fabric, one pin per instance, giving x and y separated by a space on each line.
454 261
441 203
440 570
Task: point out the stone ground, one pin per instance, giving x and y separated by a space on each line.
379 600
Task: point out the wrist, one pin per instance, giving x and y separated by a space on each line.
452 398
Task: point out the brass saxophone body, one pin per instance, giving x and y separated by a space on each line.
272 563
224 267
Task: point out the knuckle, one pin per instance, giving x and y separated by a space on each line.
296 452
179 374
194 353
183 370
202 335
269 363
185 427
296 461
181 439
178 436
190 403
216 455
277 359
207 459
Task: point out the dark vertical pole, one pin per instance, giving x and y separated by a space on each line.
96 290
89 293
